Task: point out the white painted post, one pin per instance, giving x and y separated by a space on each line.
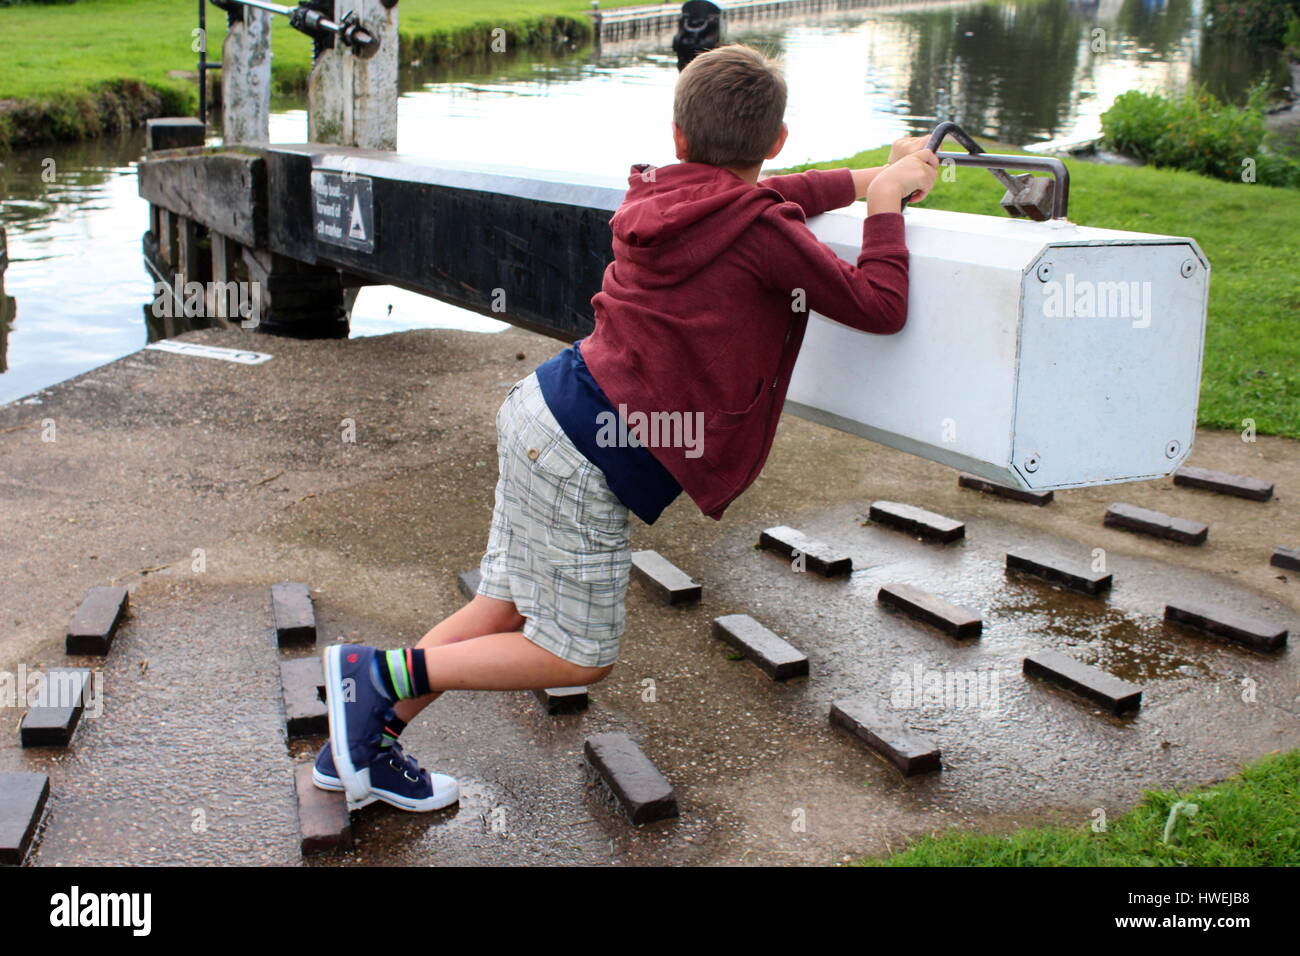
351 99
246 78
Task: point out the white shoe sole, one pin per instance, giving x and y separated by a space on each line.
439 800
333 785
356 783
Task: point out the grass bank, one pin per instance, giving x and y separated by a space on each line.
1252 819
1248 231
80 70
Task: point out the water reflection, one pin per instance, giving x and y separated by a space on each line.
1016 71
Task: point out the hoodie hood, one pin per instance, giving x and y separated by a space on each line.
677 219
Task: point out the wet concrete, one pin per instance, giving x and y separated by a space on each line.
158 455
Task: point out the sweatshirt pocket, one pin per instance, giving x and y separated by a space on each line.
725 434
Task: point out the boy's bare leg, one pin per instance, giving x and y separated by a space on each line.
481 616
503 662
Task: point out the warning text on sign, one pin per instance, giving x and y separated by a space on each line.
343 210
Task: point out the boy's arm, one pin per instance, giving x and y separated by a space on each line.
821 190
817 190
870 296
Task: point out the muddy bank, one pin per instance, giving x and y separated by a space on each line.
123 104
162 459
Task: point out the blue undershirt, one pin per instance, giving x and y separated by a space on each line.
579 405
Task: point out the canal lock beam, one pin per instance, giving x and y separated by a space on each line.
309 229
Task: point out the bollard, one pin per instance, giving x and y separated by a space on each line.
352 99
246 76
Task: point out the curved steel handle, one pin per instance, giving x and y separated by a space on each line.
998 164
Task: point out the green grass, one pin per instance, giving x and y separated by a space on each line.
1249 233
1249 820
63 55
67 48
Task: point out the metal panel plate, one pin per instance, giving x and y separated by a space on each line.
1109 364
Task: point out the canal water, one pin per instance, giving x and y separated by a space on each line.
1020 71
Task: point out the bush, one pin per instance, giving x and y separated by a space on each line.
1199 133
1292 38
1264 21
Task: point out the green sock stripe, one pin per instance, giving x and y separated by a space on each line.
396 661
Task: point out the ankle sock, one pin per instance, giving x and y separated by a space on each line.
392 730
401 673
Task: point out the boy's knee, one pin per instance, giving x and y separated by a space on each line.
596 674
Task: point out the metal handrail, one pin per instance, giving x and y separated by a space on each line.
998 164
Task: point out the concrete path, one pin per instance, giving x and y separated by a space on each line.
164 463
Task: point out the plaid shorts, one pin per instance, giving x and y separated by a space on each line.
558 546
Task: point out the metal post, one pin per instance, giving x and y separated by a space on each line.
203 62
352 99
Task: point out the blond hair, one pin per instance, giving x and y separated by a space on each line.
730 104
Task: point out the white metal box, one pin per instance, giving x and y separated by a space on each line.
1036 354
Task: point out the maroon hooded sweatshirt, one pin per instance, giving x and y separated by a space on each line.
696 312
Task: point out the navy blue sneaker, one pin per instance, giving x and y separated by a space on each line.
325 777
357 710
396 778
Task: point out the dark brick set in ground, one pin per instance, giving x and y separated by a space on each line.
52 720
468 581
324 823
917 521
664 579
1288 558
93 626
1221 622
909 752
636 783
1074 576
294 616
1239 486
775 656
1155 523
1115 695
563 700
952 619
23 797
817 556
302 684
976 483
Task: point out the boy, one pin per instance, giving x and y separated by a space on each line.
698 325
